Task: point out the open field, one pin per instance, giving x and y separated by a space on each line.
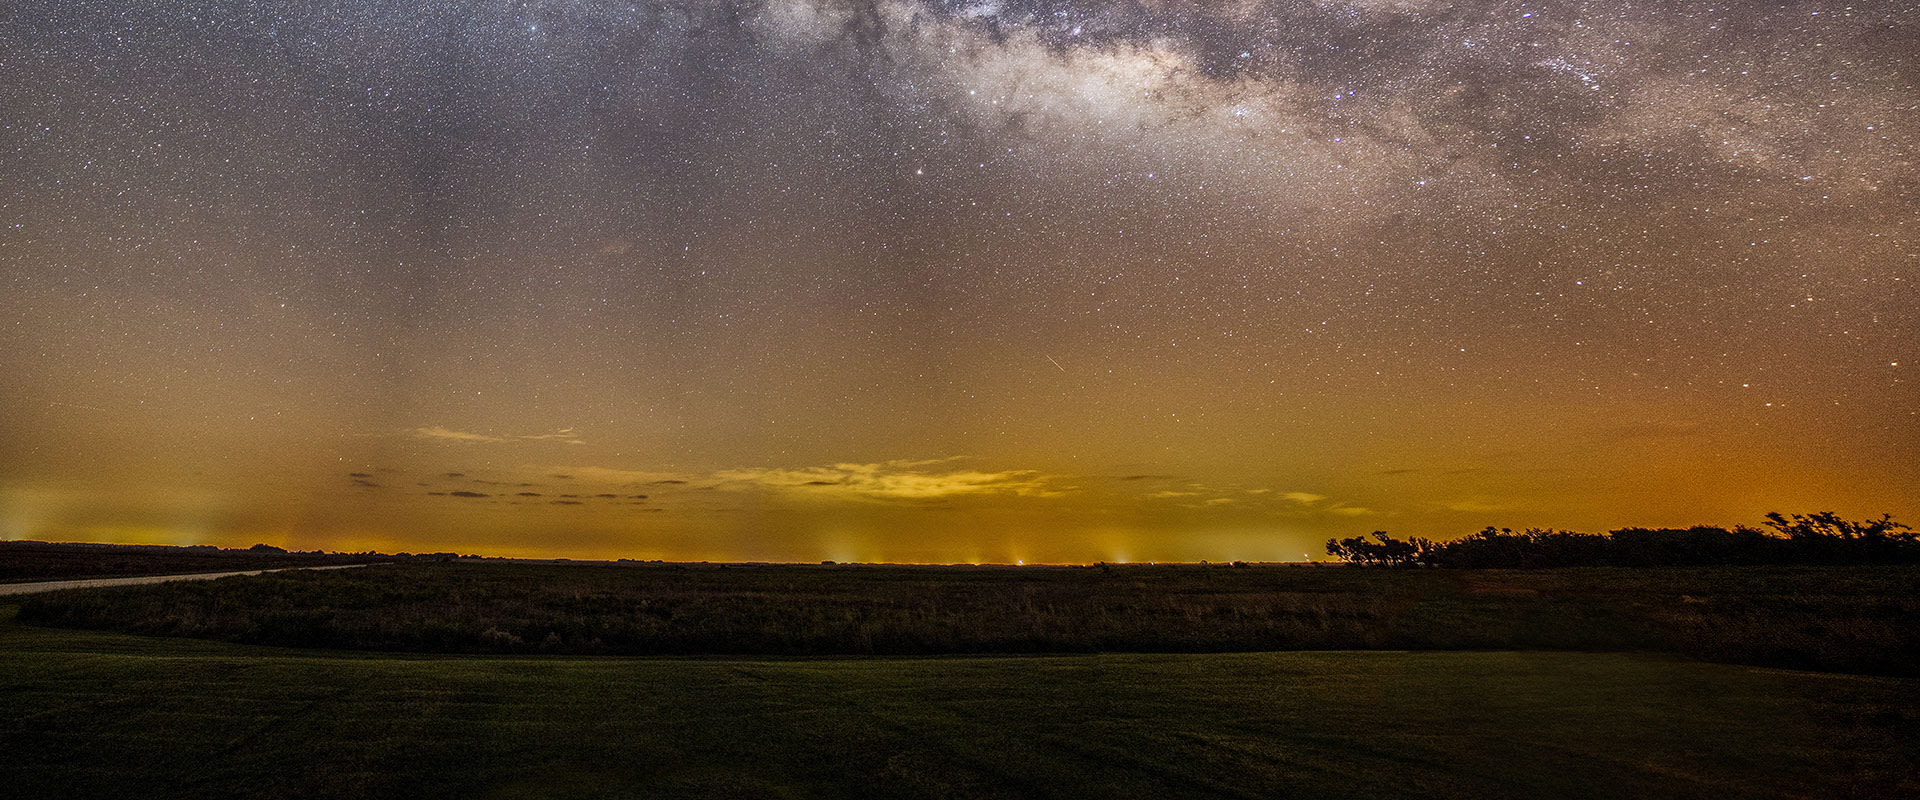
39 587
89 714
25 561
1856 619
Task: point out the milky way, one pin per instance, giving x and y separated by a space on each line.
935 281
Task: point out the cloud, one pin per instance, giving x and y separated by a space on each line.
445 434
892 480
449 435
562 435
1475 506
469 494
1297 504
607 476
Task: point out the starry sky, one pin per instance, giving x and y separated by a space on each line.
921 280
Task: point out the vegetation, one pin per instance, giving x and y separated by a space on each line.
53 561
496 698
1858 619
79 712
1821 538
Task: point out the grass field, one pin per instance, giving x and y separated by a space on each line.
91 714
28 561
1850 619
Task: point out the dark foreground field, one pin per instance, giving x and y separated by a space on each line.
88 714
1852 619
23 562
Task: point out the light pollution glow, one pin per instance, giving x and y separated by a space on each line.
907 280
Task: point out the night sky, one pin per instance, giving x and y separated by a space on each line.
949 281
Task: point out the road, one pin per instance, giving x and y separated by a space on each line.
99 583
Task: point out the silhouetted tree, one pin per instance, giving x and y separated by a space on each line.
1828 525
1824 538
1698 546
1821 538
1384 551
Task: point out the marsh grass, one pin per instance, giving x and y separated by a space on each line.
1855 619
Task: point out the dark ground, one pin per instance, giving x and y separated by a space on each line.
1852 619
22 561
105 715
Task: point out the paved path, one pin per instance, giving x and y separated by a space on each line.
97 583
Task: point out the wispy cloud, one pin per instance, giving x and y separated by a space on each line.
1291 504
615 477
1315 504
562 435
927 479
892 480
450 435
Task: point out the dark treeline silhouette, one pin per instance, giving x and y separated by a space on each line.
1819 538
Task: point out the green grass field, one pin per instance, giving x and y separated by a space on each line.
95 714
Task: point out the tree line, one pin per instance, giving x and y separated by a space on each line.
1819 538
